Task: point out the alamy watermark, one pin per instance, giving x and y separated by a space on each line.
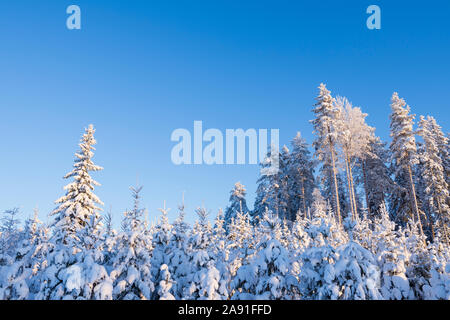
190 149
374 20
74 20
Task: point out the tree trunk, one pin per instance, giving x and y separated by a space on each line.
336 192
414 199
366 187
444 224
353 191
349 185
303 195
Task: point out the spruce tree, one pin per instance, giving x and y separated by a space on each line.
79 203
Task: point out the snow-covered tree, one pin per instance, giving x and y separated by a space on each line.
317 275
325 143
403 149
15 275
9 232
267 275
79 203
161 251
165 283
237 203
204 280
131 266
353 138
356 270
433 177
179 266
301 181
392 257
375 176
272 192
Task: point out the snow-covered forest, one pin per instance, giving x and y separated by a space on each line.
357 218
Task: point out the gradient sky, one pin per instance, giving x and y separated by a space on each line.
138 70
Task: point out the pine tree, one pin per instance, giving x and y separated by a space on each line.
403 147
433 177
325 143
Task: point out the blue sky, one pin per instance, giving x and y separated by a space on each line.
138 70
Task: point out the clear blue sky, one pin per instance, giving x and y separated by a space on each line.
138 70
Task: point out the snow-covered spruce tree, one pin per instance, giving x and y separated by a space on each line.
325 142
363 234
353 137
220 248
9 234
392 256
300 238
300 241
87 278
15 276
403 149
301 181
267 275
356 270
443 145
164 286
76 217
241 240
319 206
161 252
438 287
317 280
131 266
433 177
237 203
179 266
418 267
204 280
272 191
79 203
322 213
110 238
